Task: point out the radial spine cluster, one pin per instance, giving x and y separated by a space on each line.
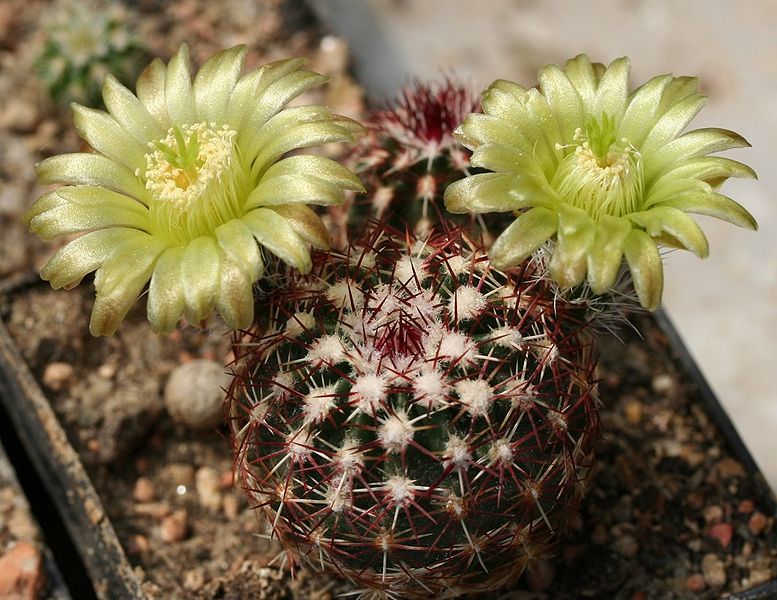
414 419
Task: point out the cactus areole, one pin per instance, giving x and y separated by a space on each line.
413 419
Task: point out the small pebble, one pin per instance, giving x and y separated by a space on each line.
174 527
21 573
757 523
144 490
713 514
58 375
663 383
626 545
633 411
695 583
728 467
714 570
208 484
746 507
155 510
194 393
106 371
759 575
139 544
193 580
723 532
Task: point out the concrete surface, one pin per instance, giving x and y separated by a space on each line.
723 306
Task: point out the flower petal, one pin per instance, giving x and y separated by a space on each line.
235 299
200 272
214 83
306 223
647 270
130 112
669 126
91 169
318 166
613 90
278 236
71 263
581 74
287 189
640 114
679 88
673 228
165 294
74 209
527 233
563 99
104 134
480 129
179 96
606 253
714 205
120 279
575 236
241 248
698 142
494 192
151 92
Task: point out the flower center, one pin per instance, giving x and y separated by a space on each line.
196 180
603 175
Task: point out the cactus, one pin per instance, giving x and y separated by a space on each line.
413 419
409 158
84 41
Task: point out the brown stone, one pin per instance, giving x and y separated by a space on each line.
723 532
58 375
757 523
21 572
713 514
714 570
746 507
695 583
144 490
174 527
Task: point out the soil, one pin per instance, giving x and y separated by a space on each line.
670 514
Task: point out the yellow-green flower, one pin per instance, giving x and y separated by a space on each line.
607 171
188 181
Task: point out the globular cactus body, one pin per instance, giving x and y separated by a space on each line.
413 419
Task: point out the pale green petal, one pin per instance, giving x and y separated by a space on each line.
480 129
714 205
287 189
235 301
679 88
278 236
673 228
698 142
527 233
606 254
613 90
151 92
640 114
272 99
575 236
179 96
214 83
306 223
494 192
91 169
130 112
670 188
104 134
200 272
120 279
318 166
647 271
581 74
165 294
302 135
248 88
540 109
670 125
563 99
74 209
71 263
241 248
711 169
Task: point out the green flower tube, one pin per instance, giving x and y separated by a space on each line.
188 182
606 171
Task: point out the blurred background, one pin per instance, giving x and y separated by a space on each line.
723 306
